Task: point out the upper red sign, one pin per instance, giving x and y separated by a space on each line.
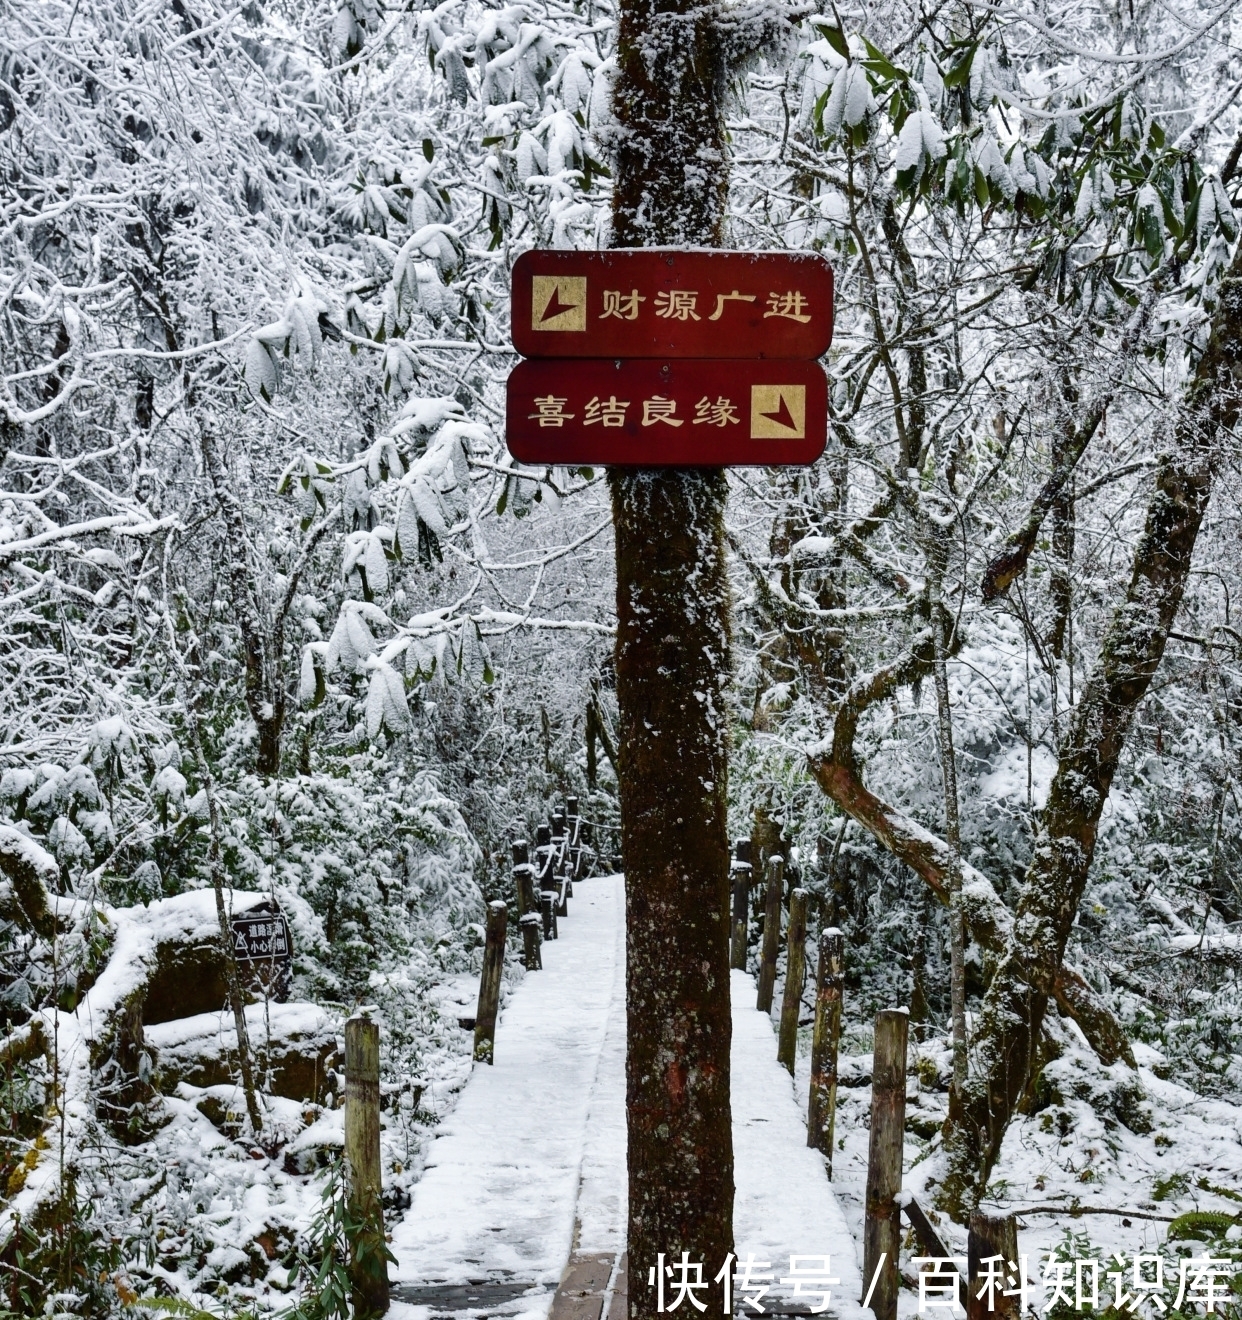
667 414
655 302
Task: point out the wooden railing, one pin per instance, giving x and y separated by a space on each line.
885 1200
543 885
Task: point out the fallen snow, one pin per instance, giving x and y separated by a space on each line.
284 1021
498 1193
531 1163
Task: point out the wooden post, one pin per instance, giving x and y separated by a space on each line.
489 982
560 860
559 834
821 1113
741 904
524 879
547 907
544 857
368 1256
989 1237
882 1225
562 894
926 1232
573 846
531 956
795 975
771 934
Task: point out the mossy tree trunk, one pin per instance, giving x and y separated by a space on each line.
1009 1027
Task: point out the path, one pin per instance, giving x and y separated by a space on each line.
528 1171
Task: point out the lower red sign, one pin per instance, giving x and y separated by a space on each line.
687 413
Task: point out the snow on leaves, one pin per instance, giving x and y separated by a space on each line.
919 145
421 472
298 335
1102 174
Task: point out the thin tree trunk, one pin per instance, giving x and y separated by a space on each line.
1131 652
265 698
215 860
952 825
672 662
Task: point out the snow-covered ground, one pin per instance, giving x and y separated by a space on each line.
513 1167
499 1188
1075 1153
531 1162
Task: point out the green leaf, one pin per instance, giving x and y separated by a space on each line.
1201 1225
880 63
429 148
174 1306
960 72
817 115
837 40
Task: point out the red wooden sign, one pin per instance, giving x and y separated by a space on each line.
667 414
653 302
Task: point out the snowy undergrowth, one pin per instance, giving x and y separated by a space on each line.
1139 1144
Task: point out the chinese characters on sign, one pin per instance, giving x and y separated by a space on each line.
656 358
775 409
654 303
1139 1284
263 936
657 414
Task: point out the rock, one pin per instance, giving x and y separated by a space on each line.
318 1145
202 1050
188 975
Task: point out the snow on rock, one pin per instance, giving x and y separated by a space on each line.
137 933
295 1044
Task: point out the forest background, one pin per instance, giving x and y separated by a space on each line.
280 613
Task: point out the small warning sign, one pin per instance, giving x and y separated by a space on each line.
261 936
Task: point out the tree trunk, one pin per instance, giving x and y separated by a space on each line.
988 920
672 667
215 859
265 693
672 663
1133 644
952 829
